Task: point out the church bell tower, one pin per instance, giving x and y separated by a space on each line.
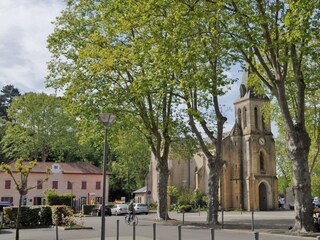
260 191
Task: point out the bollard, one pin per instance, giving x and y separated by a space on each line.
252 220
183 216
134 231
154 231
199 209
57 229
222 221
179 232
212 233
118 229
256 236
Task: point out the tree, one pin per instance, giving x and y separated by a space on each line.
8 93
100 62
191 47
20 175
131 159
278 40
40 129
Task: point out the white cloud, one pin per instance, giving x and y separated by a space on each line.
24 27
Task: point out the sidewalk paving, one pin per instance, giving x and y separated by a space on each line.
271 222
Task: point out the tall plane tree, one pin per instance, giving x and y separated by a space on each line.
194 50
100 59
278 39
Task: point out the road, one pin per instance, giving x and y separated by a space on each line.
237 226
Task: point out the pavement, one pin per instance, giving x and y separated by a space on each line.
269 224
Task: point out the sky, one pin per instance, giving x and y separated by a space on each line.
24 28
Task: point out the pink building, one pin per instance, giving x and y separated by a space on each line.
83 180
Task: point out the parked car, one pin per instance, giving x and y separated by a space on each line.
96 211
141 208
316 202
5 204
119 209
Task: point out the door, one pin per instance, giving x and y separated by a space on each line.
263 204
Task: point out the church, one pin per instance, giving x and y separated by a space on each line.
248 180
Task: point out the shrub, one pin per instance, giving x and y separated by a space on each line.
198 199
30 215
86 209
185 208
61 214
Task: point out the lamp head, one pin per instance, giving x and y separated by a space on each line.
106 118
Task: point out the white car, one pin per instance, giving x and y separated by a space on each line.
119 209
141 208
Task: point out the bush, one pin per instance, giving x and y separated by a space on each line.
185 208
30 215
198 199
61 214
86 209
153 205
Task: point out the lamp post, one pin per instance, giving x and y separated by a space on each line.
106 119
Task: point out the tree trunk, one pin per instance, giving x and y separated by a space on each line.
162 208
298 145
18 217
215 167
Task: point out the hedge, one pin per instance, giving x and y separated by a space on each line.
30 215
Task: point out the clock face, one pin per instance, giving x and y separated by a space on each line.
262 141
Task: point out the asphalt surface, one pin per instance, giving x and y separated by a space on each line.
190 226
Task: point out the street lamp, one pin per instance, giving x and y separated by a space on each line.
106 119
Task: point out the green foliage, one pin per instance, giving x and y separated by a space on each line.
59 200
8 93
62 215
41 129
131 159
86 209
199 199
30 216
186 200
173 191
185 208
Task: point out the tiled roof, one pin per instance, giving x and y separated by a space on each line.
74 168
141 190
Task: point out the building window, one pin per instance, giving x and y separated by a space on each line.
256 117
263 122
69 185
98 185
83 185
98 200
239 117
55 184
7 184
39 184
7 199
262 167
244 117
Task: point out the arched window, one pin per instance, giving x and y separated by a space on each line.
263 122
244 117
256 117
239 116
262 167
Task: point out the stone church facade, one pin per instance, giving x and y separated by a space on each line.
248 179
